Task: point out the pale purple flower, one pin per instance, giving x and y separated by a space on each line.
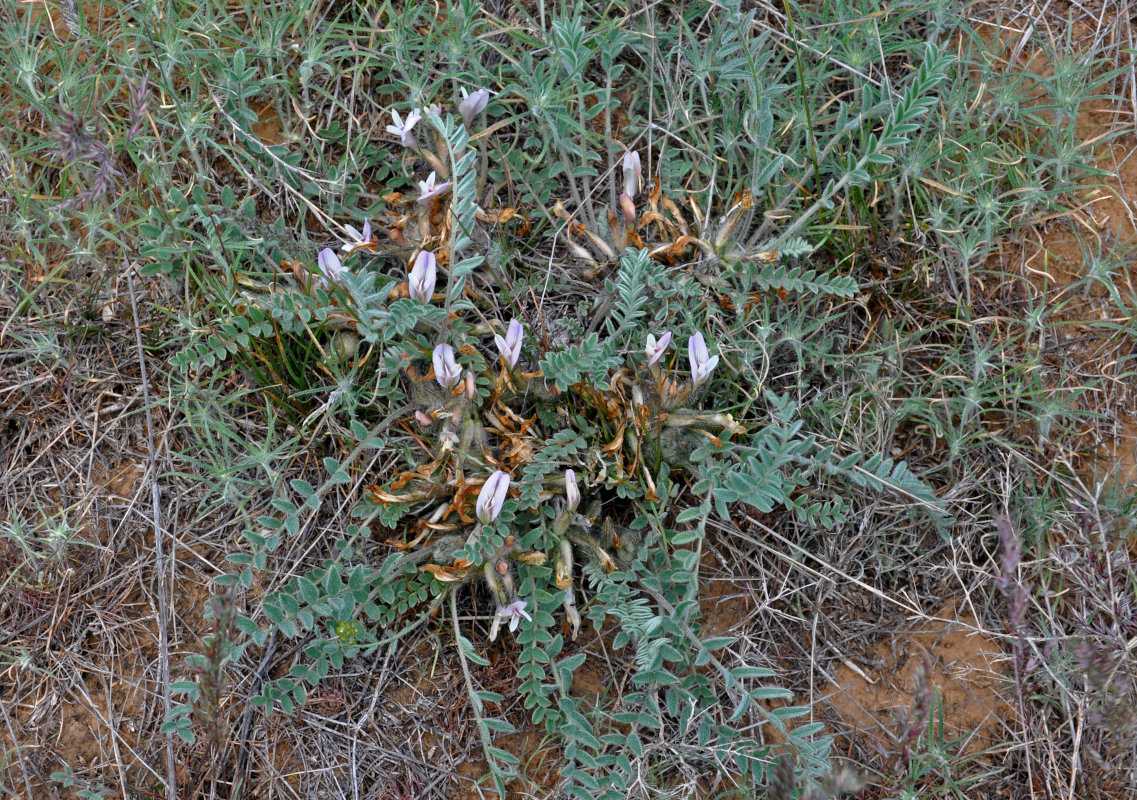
403 129
572 491
423 276
510 345
702 362
330 266
633 175
514 612
472 105
446 369
656 347
430 189
492 497
358 239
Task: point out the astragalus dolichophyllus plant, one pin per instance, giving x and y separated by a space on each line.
555 490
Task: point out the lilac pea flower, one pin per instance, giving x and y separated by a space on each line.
330 266
431 189
358 239
472 105
446 369
514 612
492 497
403 129
510 345
702 362
656 347
423 276
572 491
633 174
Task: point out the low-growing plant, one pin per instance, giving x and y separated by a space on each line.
85 788
549 473
701 274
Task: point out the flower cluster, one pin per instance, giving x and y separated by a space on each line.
471 106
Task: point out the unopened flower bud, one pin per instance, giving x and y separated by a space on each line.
632 173
572 616
506 577
494 583
628 206
566 552
572 491
562 566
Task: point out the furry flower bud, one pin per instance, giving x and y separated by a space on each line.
633 174
572 491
